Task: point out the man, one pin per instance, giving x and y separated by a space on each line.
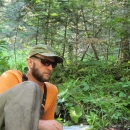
18 110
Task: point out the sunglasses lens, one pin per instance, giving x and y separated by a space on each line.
48 63
45 62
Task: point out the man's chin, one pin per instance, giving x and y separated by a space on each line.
47 77
46 80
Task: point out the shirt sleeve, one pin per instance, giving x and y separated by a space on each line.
9 79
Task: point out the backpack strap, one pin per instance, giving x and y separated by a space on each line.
43 101
25 78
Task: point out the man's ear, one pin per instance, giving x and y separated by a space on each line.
30 62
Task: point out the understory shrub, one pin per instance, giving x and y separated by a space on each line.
94 96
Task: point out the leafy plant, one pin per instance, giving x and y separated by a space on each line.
3 59
95 98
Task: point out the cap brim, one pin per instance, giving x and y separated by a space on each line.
58 59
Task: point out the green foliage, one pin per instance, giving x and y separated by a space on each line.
92 92
75 113
94 96
10 61
3 59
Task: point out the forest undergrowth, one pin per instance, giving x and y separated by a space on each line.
94 93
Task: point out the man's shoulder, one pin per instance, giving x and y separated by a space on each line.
51 86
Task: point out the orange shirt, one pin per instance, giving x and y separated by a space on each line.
11 78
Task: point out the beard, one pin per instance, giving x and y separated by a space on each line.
36 74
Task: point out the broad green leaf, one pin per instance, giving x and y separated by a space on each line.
121 94
75 113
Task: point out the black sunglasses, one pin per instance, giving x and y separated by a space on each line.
46 62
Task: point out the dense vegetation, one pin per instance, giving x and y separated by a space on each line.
93 37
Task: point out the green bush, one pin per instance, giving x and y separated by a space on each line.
93 96
3 59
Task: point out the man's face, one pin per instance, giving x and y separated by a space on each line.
40 71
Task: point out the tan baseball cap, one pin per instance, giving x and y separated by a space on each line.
45 50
